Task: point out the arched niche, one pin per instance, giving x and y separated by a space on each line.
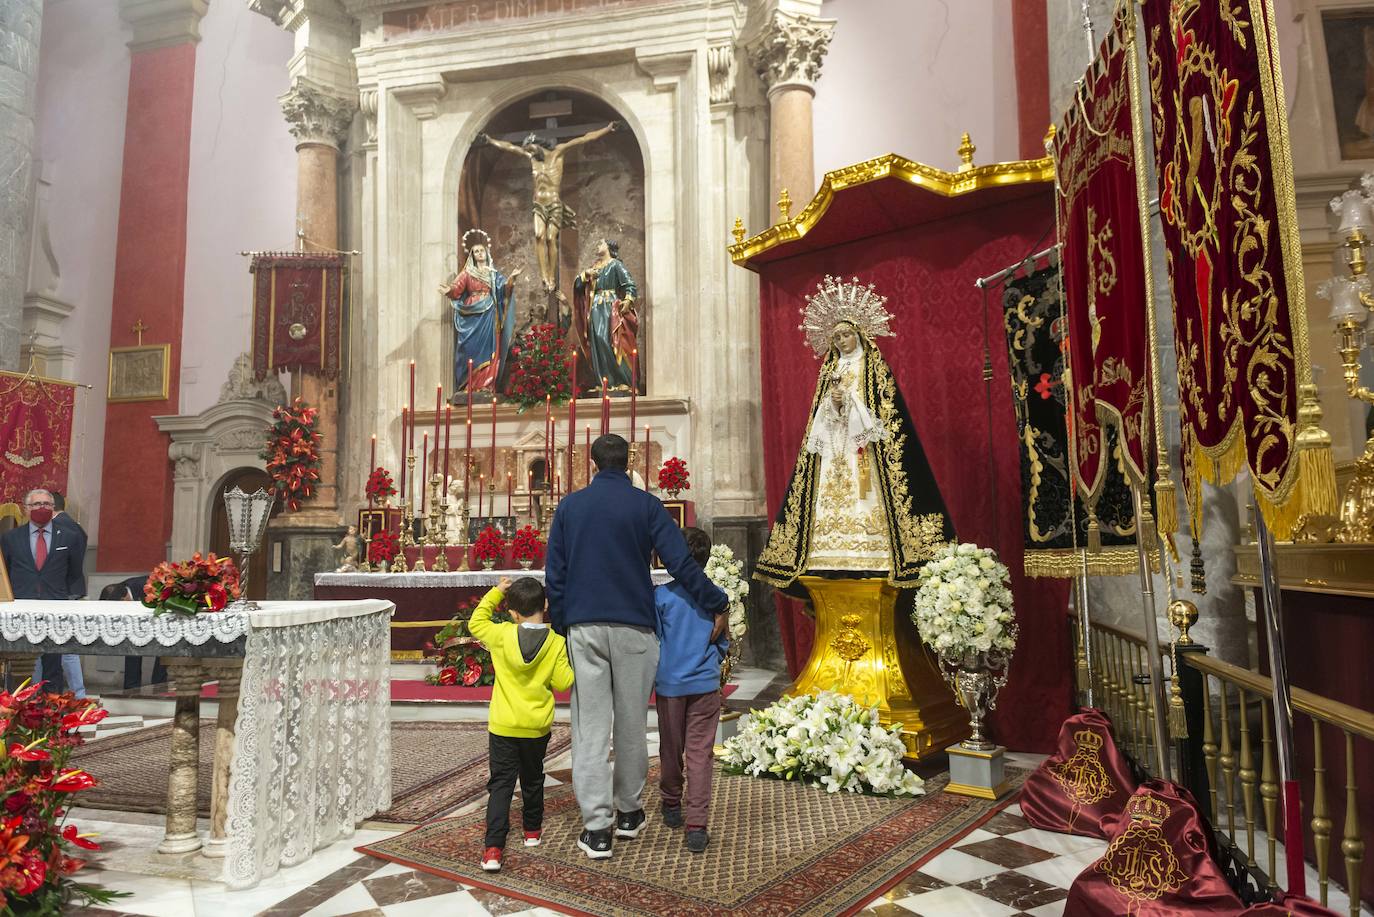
603 182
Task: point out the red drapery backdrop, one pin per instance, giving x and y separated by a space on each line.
927 273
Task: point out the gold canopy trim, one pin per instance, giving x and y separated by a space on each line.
947 184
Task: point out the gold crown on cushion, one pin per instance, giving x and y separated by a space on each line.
836 301
1147 808
1086 738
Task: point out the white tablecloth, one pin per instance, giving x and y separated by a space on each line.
450 580
312 756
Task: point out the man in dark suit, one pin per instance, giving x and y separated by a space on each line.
52 663
45 561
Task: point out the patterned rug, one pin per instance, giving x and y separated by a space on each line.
776 848
435 768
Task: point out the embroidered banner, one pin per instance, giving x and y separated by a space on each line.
297 312
35 434
1105 264
1033 317
1235 270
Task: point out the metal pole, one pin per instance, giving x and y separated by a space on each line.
1147 606
1084 623
1283 709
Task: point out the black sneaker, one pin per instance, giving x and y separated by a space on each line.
629 824
595 844
672 816
696 839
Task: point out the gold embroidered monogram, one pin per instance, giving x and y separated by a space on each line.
1082 777
1140 863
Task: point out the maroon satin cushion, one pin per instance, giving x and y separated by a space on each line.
1086 780
1290 906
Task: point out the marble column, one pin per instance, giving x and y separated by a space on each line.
319 119
787 56
228 673
180 836
20 24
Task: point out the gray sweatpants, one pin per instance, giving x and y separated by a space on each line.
614 665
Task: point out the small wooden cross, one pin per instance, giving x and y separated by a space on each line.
138 329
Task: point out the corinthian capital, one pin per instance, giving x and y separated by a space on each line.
789 51
315 115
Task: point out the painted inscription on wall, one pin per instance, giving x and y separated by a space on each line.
463 14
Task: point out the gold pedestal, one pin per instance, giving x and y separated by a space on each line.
864 649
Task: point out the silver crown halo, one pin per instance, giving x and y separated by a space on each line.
836 301
485 240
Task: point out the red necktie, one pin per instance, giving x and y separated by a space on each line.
40 551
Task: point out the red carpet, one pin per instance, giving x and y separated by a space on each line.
418 690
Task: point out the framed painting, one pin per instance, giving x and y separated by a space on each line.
140 373
1349 38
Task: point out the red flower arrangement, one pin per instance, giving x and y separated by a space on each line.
379 485
293 453
527 545
39 731
673 477
384 546
489 547
192 586
461 657
540 368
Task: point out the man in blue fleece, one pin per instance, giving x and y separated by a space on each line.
602 599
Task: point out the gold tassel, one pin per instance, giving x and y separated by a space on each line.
1145 528
1166 503
1094 533
1178 716
1316 467
1199 570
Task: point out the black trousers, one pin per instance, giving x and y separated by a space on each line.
511 758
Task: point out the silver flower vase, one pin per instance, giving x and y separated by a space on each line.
976 677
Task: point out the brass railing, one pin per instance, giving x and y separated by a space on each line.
1229 762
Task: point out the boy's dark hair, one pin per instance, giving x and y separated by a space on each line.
114 592
525 596
699 543
611 453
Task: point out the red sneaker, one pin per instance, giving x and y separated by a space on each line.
532 838
491 859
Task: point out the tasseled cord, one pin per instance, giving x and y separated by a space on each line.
1178 716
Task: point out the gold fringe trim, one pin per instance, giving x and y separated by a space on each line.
1066 563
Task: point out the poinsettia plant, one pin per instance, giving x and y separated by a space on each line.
192 586
527 544
293 453
490 546
380 486
461 657
540 368
384 546
674 477
39 851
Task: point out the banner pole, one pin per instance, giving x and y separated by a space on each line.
1147 608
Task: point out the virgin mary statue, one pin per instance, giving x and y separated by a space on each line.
862 501
483 302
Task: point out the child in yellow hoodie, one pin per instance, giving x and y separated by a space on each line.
531 662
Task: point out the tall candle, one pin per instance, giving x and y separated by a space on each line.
493 435
587 454
438 403
410 444
605 408
448 434
548 435
646 457
634 388
469 393
467 464
557 486
372 463
424 472
510 490
405 416
481 493
572 415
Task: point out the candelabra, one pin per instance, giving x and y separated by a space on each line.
399 564
438 522
1351 303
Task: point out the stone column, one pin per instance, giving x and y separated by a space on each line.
787 56
228 673
20 24
180 836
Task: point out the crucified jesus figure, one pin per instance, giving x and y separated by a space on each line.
551 215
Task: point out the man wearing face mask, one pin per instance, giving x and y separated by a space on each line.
44 562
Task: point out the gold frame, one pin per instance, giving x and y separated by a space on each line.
938 181
6 590
164 349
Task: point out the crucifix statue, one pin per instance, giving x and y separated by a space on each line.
551 215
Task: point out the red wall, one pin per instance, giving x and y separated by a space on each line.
150 261
1032 51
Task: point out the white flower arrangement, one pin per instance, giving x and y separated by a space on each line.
826 738
964 604
726 572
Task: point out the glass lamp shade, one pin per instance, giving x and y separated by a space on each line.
1353 208
248 515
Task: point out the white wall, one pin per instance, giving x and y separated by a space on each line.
909 76
242 188
83 85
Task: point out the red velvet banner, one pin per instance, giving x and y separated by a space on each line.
1084 782
35 434
297 312
1104 263
1235 269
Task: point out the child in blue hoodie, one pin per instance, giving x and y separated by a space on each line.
687 688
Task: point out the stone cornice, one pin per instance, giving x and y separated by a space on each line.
315 115
162 23
789 50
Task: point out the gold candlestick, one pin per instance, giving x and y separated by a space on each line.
438 530
399 563
463 539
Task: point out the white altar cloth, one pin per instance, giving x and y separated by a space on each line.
449 580
312 752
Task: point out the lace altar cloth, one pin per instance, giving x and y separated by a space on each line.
312 753
451 580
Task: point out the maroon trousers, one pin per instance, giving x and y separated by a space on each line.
687 730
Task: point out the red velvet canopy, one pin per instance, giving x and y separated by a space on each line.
922 236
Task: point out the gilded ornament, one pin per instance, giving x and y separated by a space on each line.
849 644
